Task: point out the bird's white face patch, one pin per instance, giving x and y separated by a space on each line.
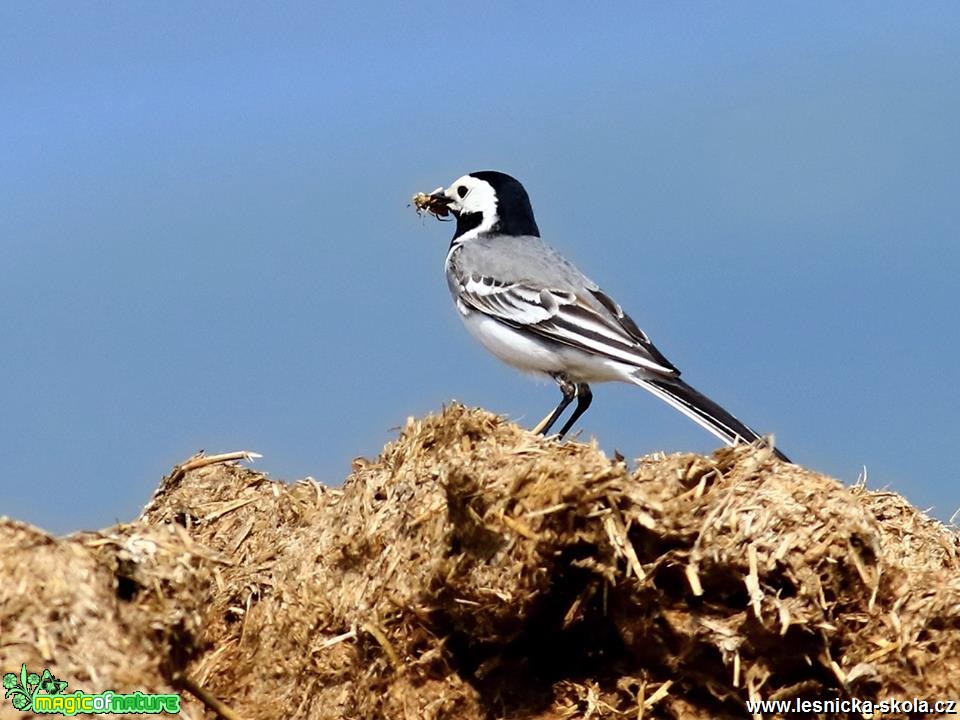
469 195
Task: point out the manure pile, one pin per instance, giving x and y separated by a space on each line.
476 571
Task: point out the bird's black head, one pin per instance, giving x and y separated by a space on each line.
488 201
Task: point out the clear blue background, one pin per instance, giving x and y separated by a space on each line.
205 240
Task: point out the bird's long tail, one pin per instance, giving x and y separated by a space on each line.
702 410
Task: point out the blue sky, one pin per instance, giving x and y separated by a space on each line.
205 240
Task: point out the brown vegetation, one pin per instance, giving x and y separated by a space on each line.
475 570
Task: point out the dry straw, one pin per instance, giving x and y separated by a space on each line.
475 570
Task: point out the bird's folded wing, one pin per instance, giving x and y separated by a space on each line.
562 316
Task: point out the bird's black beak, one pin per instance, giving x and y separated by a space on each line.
436 203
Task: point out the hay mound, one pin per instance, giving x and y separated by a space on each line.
475 570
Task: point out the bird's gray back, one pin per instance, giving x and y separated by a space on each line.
518 259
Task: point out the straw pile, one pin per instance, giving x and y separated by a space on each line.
475 570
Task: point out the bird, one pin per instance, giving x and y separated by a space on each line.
534 310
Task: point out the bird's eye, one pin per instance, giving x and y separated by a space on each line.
462 190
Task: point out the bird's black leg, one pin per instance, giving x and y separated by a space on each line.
569 391
584 398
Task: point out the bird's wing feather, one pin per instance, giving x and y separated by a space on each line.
593 323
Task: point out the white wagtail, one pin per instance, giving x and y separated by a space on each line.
534 310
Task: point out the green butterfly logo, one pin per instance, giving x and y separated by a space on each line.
23 689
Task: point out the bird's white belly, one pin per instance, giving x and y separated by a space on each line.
526 352
512 347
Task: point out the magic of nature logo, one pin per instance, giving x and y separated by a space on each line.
44 694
